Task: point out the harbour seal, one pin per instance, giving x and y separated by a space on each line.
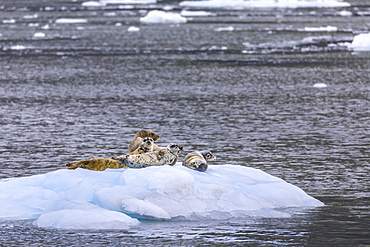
197 160
135 143
100 164
97 164
168 156
145 146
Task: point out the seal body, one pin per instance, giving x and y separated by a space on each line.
145 146
140 135
168 156
98 164
197 160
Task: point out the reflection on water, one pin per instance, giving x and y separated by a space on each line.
83 90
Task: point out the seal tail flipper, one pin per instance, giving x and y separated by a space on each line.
202 167
175 161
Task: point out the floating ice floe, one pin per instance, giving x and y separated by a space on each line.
133 29
360 42
45 26
320 85
128 1
225 29
93 4
8 21
35 16
243 4
118 198
18 47
345 13
195 13
70 20
39 35
158 16
321 29
33 24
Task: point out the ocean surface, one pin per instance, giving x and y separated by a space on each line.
240 82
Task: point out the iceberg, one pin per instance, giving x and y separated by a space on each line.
158 16
360 42
120 198
244 4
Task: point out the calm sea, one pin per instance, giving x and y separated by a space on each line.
239 82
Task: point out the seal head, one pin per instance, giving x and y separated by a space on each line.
208 155
197 160
146 145
140 135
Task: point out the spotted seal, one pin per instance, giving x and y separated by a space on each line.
197 160
146 146
100 164
135 143
168 156
97 164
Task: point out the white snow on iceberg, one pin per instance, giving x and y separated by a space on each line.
117 198
158 16
360 42
244 4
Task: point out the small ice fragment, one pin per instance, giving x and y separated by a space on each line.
319 85
70 20
245 4
110 14
225 29
30 16
39 35
195 13
345 13
18 47
128 1
321 29
45 26
10 21
361 42
93 4
157 16
168 8
133 29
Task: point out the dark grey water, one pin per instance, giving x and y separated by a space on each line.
83 90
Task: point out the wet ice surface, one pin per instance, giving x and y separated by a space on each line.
115 199
241 83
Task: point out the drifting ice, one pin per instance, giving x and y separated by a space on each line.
243 4
70 20
158 16
361 42
117 198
